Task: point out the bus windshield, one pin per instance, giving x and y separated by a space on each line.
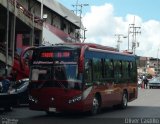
65 76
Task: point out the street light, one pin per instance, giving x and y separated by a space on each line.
119 41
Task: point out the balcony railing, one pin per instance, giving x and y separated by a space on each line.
3 49
27 13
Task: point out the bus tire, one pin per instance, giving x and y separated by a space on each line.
124 102
95 105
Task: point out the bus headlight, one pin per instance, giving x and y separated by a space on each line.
75 99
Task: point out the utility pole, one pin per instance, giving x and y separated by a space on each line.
42 9
32 41
80 15
128 35
158 61
14 29
134 40
7 34
134 32
76 7
119 40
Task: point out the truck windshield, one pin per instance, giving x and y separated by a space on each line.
65 76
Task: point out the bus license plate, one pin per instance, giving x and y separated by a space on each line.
52 109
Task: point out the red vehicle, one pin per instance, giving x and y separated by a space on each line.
81 77
20 69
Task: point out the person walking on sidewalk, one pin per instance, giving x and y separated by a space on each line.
145 81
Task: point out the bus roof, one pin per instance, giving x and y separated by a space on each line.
91 46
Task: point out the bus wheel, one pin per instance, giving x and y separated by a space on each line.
124 102
95 105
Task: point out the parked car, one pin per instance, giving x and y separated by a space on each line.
154 82
16 95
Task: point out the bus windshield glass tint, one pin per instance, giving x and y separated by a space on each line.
67 75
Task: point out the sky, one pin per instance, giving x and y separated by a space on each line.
104 20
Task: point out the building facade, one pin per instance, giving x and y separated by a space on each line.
23 24
148 65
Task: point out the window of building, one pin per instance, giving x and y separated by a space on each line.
26 39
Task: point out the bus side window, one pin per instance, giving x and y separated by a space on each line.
112 69
129 69
118 71
109 70
125 71
133 72
88 71
97 69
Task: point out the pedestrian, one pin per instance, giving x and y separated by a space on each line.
145 80
5 85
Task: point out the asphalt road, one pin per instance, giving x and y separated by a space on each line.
146 109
